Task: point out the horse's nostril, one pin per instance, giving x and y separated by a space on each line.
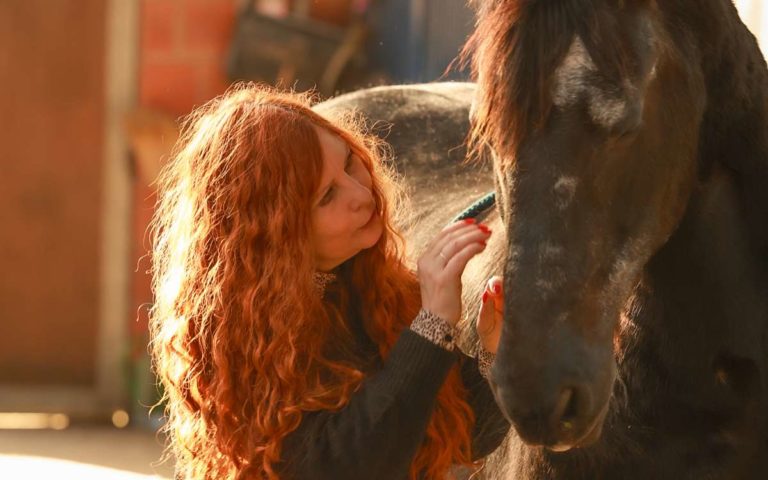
566 410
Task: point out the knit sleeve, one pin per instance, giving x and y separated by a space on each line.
377 434
490 424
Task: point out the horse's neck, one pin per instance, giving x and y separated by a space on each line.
715 266
707 280
734 131
703 298
702 304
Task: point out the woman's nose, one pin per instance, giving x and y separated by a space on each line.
361 194
362 198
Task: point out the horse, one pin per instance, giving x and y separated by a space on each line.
630 163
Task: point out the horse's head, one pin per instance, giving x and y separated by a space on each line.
593 120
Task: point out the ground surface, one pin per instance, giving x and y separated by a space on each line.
81 453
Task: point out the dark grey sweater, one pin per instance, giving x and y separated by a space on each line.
377 434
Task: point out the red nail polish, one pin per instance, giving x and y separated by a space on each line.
469 220
496 288
484 228
485 296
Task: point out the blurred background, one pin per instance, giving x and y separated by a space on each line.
92 92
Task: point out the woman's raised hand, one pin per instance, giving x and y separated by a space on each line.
491 314
442 263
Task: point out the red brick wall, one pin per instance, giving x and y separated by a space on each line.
183 52
182 65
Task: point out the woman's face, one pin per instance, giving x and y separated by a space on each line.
344 216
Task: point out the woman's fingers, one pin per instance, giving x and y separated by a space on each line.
460 238
451 232
489 323
491 315
486 317
457 262
455 245
495 288
441 265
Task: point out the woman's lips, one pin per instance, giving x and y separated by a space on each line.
370 219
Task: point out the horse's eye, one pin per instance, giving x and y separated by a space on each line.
626 135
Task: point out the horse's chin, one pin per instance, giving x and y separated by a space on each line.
591 437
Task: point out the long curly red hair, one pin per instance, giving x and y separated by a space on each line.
241 342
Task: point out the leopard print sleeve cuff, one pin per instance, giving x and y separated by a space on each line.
484 361
435 329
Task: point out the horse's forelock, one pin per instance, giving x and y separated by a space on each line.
516 48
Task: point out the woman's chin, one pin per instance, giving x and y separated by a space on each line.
372 235
374 226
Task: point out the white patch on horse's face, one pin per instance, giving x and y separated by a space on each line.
549 275
549 252
574 80
544 286
571 75
606 110
565 189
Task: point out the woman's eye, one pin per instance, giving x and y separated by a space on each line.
327 197
350 161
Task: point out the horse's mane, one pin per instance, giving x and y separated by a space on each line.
517 46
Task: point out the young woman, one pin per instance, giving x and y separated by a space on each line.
290 337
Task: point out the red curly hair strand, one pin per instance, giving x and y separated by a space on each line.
241 343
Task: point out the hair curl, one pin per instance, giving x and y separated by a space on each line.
232 263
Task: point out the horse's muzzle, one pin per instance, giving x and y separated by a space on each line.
571 416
